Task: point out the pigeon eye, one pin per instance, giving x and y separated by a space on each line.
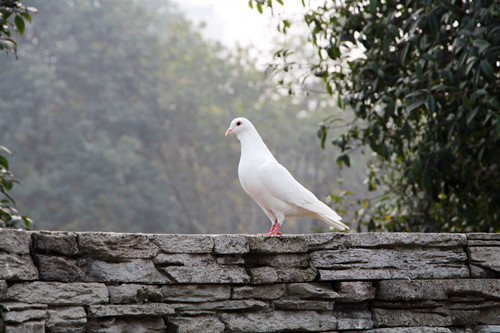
238 123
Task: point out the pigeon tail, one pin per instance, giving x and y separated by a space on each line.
333 221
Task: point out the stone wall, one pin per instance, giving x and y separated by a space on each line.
381 282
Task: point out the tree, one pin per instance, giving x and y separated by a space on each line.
9 215
425 93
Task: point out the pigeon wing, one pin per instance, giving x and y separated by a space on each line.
281 184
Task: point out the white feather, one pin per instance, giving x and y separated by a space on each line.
271 185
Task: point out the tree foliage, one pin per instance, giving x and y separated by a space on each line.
425 93
12 14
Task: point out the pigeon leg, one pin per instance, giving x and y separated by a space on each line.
273 229
276 229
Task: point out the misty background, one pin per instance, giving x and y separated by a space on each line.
115 113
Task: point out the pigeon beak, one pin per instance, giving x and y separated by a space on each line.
228 132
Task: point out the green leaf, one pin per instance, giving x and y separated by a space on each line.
481 45
486 68
416 105
343 159
19 22
259 7
4 162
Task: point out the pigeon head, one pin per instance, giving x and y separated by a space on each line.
238 126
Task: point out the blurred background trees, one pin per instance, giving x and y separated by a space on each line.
423 80
116 111
13 18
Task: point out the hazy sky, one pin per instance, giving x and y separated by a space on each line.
234 22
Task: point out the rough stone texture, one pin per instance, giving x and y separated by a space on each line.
130 310
53 268
16 313
209 274
472 290
354 291
58 293
200 324
134 293
66 319
484 261
277 321
184 243
119 245
195 293
266 274
55 242
27 327
230 244
270 291
125 325
15 241
345 283
132 270
384 240
17 267
371 264
273 245
3 289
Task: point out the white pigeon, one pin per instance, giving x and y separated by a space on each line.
272 186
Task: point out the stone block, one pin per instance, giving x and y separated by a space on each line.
130 310
208 274
132 270
315 290
230 260
199 324
454 289
228 305
66 319
58 293
379 264
300 305
422 329
278 260
436 316
15 241
134 293
184 259
195 293
332 241
487 329
54 268
3 289
16 313
116 245
230 244
354 320
184 243
56 242
265 275
276 245
17 267
484 261
26 327
266 292
125 325
279 321
355 291
483 239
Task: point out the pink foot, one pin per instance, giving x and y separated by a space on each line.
273 232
